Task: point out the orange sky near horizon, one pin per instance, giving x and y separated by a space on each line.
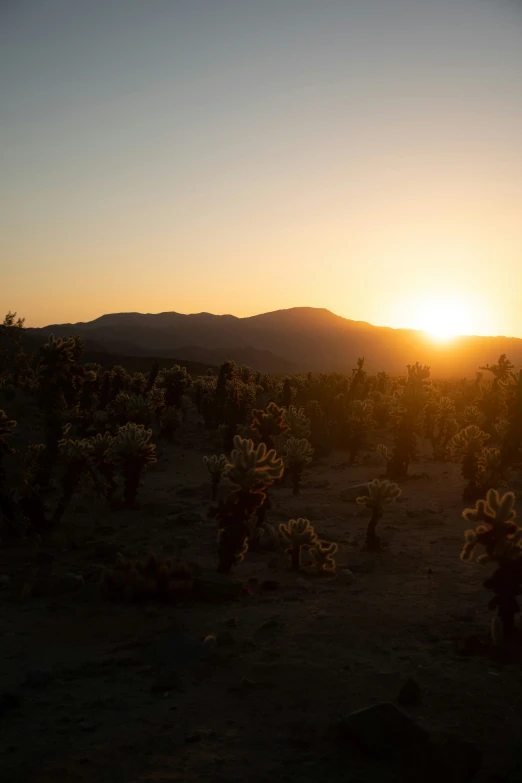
361 157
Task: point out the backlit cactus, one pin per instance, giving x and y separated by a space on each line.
170 422
174 381
322 555
379 493
298 534
252 469
297 454
269 424
467 445
501 537
297 422
132 449
217 467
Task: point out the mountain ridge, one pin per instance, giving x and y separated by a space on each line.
297 339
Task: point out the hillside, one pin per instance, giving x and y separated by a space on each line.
300 339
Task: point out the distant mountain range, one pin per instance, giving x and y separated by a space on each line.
300 339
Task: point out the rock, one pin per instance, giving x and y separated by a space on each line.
71 583
190 518
9 701
211 586
347 576
303 584
274 625
225 639
410 693
37 678
383 731
209 645
269 584
350 494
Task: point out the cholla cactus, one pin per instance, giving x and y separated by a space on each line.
379 493
297 454
98 422
269 424
132 449
440 424
253 466
57 358
322 556
118 408
75 455
468 444
174 380
382 452
252 470
171 420
140 409
217 467
152 579
298 424
472 415
102 460
7 426
501 538
298 533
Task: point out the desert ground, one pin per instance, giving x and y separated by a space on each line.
98 690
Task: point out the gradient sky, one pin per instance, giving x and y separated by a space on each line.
239 156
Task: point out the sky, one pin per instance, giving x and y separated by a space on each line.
241 156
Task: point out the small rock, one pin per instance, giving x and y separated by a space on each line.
269 584
71 583
382 730
410 693
347 576
303 584
209 645
38 677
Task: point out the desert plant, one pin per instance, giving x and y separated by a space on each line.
103 463
269 424
75 456
500 371
217 467
174 380
468 444
298 533
322 557
297 422
297 454
152 579
379 493
359 420
251 469
170 420
501 537
131 448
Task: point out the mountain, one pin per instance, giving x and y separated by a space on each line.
300 339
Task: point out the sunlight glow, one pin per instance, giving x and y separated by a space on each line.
446 317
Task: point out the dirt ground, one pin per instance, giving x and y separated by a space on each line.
105 692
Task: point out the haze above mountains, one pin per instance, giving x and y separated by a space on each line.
300 339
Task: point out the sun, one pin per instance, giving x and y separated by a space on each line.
444 317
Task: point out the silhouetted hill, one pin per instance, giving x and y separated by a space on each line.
284 341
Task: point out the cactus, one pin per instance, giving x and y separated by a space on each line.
322 556
440 424
7 426
152 579
102 461
510 432
269 424
174 381
297 422
501 538
132 449
379 493
252 469
171 420
75 455
217 467
358 422
297 454
298 533
468 444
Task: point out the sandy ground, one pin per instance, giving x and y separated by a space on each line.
108 692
